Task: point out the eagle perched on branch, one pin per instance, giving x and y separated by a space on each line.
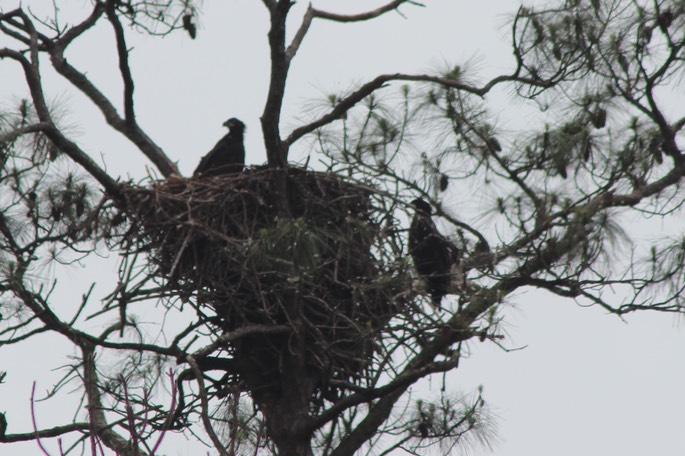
432 253
228 155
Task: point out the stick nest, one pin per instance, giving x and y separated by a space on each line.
290 247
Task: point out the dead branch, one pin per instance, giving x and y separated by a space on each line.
348 102
98 420
206 420
312 13
124 68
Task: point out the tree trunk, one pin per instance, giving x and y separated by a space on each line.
287 409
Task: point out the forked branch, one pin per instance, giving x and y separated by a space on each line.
124 68
47 125
24 30
348 102
96 411
320 14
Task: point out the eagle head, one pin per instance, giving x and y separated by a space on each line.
234 124
422 206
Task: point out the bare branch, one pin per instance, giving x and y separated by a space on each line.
45 433
312 13
401 382
366 15
77 30
300 34
131 131
122 51
276 150
51 131
96 411
56 49
205 407
240 333
454 331
346 103
17 132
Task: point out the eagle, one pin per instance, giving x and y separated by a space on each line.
228 155
432 253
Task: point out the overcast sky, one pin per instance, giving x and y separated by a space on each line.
578 381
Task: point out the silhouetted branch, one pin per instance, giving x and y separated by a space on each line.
45 433
122 52
56 48
98 420
348 102
206 420
131 131
313 13
271 116
365 16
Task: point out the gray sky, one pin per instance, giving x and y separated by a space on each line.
582 383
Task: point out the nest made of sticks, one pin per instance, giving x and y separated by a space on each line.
272 247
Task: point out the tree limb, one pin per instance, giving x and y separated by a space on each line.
57 47
312 13
131 131
391 6
300 34
205 407
47 126
21 131
45 433
124 68
276 150
239 333
346 103
96 411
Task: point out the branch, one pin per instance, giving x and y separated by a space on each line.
131 131
345 104
631 199
407 378
124 67
364 16
78 29
77 154
301 32
21 131
45 433
127 126
96 411
41 310
10 19
47 126
205 407
312 13
276 150
33 80
33 418
455 330
367 428
239 333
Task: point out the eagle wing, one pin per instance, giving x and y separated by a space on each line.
228 155
213 158
433 255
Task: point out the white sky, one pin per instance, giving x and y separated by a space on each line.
585 384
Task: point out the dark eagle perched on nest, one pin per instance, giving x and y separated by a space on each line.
228 155
432 253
